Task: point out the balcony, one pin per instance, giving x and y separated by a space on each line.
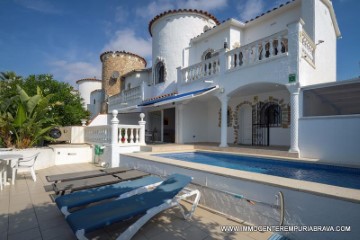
126 98
262 50
201 71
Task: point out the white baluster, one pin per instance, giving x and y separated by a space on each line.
279 45
271 50
137 139
132 135
263 54
126 135
120 136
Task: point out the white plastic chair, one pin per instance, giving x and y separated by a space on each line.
25 163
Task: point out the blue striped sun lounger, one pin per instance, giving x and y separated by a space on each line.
144 205
118 190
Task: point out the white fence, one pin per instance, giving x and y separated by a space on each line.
125 135
331 139
98 134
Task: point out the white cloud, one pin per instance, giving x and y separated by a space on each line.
202 4
39 5
127 40
159 6
70 72
121 14
250 9
154 8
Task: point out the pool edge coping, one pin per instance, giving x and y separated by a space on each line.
342 193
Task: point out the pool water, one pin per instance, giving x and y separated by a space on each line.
320 173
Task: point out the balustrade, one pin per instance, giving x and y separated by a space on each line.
129 135
125 98
201 70
257 51
97 134
308 48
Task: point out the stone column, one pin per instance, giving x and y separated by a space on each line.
224 106
142 129
114 155
294 117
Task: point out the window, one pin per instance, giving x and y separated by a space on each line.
271 115
160 72
94 101
128 85
339 99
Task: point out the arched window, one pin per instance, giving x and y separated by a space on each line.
271 115
159 72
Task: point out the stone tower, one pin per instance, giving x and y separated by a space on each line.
114 65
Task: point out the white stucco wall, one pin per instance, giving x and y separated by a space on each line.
325 55
96 97
201 119
171 34
214 42
136 78
271 23
85 89
333 139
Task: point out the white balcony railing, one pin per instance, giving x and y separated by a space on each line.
129 134
98 134
260 50
307 48
126 98
204 69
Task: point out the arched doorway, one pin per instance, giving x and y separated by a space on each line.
266 116
245 124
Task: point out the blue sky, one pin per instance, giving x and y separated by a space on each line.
65 38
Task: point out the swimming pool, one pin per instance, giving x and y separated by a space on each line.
320 173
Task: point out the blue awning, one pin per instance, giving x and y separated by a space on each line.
178 97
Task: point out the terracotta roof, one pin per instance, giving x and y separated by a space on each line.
159 97
182 11
88 79
123 52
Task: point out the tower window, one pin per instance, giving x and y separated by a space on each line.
159 72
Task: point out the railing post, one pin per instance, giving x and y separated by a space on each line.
222 61
142 129
114 140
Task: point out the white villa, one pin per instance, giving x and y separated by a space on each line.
269 81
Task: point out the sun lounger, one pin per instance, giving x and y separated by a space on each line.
85 174
119 190
146 205
80 184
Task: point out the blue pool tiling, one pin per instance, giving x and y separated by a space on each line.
320 173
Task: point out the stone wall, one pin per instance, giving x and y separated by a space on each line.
123 63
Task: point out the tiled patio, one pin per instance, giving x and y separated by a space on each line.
27 212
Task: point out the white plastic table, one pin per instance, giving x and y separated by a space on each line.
8 158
